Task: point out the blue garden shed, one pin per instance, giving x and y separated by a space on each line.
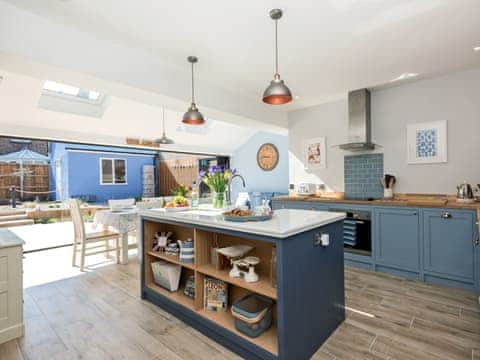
97 173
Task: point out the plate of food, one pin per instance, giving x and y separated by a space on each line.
179 203
244 215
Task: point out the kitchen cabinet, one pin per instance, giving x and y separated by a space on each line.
398 234
449 244
435 245
304 270
289 205
11 297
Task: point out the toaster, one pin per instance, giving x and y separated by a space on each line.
306 189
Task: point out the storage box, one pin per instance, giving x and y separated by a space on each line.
166 275
253 314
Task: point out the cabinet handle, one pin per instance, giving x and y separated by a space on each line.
477 242
446 215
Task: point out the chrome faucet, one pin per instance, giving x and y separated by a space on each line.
228 194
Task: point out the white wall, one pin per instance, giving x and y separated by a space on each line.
453 97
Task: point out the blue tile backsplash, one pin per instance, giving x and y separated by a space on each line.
362 176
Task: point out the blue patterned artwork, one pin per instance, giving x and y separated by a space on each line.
426 143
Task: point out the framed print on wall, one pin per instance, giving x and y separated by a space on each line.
315 154
427 142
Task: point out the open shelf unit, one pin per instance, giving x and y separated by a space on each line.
202 267
171 258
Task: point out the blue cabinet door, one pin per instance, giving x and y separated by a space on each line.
289 205
477 259
449 243
397 238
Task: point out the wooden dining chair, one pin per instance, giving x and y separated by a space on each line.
82 239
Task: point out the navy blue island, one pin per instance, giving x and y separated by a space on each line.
300 272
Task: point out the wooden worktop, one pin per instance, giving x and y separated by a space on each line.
412 200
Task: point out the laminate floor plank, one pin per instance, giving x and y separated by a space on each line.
99 315
395 349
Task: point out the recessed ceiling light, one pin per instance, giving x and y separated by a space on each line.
404 76
476 48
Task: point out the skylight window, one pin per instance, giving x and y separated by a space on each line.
72 92
72 99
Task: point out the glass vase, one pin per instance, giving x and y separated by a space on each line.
219 200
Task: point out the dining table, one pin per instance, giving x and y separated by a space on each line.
123 221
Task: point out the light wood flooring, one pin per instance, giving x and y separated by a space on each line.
99 315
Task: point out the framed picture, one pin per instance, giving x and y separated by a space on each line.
427 142
315 154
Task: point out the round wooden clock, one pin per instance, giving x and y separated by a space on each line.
267 157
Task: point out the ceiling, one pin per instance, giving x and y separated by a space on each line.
326 47
19 98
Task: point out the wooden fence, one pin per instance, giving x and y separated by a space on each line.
175 172
36 180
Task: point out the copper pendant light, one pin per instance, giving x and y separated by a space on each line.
164 140
277 93
193 116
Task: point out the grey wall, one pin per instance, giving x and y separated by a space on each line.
453 97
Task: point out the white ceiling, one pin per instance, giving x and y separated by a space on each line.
326 47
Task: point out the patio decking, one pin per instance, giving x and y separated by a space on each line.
42 236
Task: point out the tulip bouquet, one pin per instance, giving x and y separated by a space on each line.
217 179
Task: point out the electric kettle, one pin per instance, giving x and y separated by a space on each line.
465 193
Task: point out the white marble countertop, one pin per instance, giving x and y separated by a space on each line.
9 239
285 222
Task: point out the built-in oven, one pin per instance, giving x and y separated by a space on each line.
357 231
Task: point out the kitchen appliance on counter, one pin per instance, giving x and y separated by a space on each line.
387 182
357 231
465 193
305 189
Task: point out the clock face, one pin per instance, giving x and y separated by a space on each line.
267 157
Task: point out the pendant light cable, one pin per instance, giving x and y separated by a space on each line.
163 121
276 46
193 86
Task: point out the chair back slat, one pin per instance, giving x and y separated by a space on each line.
78 225
113 203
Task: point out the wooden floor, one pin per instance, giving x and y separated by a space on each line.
99 315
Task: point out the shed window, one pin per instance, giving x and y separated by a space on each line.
113 171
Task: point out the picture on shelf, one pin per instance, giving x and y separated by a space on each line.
216 294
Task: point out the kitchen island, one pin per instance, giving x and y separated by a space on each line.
306 285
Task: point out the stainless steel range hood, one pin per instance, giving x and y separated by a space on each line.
359 122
